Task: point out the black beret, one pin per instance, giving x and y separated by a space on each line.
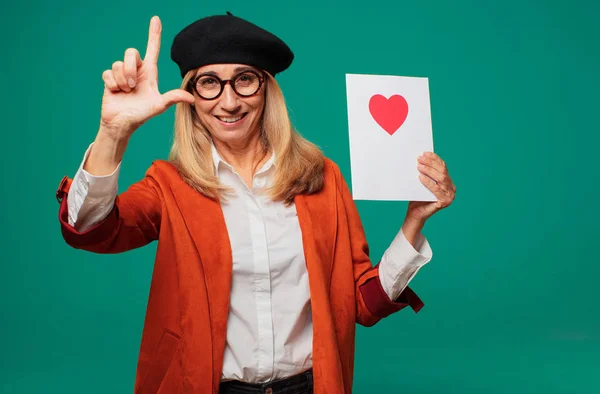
228 39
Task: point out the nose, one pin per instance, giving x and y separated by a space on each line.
229 100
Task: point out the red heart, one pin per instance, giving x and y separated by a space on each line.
390 113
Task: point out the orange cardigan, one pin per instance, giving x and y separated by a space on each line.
184 333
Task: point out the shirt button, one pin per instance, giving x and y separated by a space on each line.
269 391
260 182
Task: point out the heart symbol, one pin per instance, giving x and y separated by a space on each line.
390 113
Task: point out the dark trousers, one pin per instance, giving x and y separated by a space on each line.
298 384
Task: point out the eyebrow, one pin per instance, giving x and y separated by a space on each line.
235 70
244 68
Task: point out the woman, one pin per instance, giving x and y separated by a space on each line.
262 267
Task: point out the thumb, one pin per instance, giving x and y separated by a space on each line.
178 96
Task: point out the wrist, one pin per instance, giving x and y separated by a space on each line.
414 221
411 228
116 134
106 153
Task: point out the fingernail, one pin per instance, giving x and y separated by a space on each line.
131 82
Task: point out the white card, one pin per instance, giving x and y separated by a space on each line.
389 125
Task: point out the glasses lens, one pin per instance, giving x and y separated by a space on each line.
208 86
247 83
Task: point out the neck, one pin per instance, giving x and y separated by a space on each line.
244 156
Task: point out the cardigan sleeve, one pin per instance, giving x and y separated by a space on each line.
372 302
133 221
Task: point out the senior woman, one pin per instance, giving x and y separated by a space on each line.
262 268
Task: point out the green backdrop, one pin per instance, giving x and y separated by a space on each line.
510 306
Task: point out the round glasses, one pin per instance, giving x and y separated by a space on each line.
245 84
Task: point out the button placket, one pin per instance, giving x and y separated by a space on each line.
261 279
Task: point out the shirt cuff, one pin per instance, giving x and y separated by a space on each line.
401 262
91 197
102 185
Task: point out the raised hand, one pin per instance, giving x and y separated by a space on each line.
131 94
434 175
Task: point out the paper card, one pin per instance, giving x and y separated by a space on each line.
389 125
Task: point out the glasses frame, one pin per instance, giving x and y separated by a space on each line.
193 84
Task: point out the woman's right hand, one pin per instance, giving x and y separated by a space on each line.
131 95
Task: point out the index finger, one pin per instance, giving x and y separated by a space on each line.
435 157
153 40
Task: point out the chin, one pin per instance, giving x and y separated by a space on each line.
229 135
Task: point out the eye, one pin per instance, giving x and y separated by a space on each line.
208 82
246 78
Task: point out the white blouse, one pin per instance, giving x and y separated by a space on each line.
269 328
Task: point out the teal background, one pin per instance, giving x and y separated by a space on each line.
510 305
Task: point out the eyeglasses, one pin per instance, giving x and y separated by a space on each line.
245 84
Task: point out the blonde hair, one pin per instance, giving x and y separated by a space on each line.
299 165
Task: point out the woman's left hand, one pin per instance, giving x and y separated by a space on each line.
434 175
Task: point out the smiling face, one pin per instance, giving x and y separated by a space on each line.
230 118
